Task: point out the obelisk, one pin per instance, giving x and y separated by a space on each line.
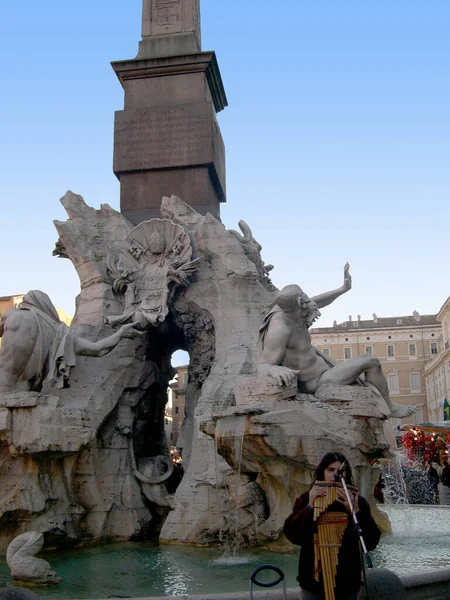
167 139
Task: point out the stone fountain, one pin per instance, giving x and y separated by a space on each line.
84 455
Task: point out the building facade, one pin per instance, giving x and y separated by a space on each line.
178 387
168 423
7 302
437 368
402 344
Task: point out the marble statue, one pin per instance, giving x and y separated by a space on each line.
252 250
288 355
36 345
20 557
90 461
157 257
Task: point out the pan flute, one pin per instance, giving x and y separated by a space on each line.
327 540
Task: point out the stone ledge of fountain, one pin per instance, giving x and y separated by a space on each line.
291 594
33 423
427 585
257 389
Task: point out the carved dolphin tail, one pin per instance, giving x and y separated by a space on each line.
20 557
154 479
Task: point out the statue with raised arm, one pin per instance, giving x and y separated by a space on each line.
36 345
288 354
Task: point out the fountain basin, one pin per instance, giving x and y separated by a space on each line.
420 543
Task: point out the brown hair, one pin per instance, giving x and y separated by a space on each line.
329 459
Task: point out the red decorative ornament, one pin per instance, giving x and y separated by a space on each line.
422 446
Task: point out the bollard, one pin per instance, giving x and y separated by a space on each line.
383 584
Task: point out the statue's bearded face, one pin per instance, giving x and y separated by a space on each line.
308 309
292 299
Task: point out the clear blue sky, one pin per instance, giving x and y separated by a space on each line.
337 138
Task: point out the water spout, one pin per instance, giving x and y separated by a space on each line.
229 435
393 470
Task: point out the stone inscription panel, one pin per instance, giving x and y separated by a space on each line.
170 17
163 137
166 17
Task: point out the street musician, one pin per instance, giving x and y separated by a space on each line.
320 522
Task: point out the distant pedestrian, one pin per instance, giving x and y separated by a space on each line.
444 488
445 476
416 480
432 484
378 491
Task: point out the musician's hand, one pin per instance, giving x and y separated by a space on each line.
342 499
314 492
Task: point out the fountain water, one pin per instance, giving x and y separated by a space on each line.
420 539
230 536
407 482
392 471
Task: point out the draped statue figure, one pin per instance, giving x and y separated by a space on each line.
37 346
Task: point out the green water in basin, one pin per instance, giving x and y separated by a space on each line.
421 541
147 569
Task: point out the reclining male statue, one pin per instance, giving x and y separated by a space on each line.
287 353
36 345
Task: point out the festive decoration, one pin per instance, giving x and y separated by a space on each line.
424 445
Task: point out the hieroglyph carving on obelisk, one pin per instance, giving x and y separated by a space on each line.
180 18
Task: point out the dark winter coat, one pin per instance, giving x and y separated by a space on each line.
445 476
299 529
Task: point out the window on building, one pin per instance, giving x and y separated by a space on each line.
185 378
390 351
326 352
418 415
393 383
412 349
176 409
369 350
347 353
433 348
414 380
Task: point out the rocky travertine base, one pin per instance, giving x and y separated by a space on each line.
66 465
266 448
68 457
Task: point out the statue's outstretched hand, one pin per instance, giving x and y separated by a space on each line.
283 375
347 278
129 331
